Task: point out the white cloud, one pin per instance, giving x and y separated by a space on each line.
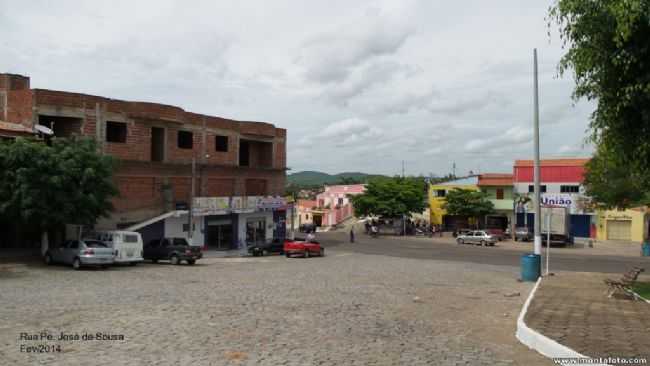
425 82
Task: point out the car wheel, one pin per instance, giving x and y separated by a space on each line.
154 261
287 254
460 241
132 264
48 259
307 254
191 261
515 238
482 243
322 252
76 263
105 266
174 259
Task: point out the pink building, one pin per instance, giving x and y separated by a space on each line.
334 205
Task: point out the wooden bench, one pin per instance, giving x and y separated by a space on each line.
624 284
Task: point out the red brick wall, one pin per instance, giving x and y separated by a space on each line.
178 155
138 142
280 155
19 106
218 157
219 187
137 193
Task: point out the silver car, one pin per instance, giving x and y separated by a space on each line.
80 253
476 237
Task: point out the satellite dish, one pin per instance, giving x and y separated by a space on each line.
44 130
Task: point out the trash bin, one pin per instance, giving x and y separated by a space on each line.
530 267
645 249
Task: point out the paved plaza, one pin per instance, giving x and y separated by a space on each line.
572 309
344 309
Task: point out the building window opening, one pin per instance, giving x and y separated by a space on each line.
221 143
157 144
116 132
185 139
569 189
542 188
62 126
244 153
499 193
440 193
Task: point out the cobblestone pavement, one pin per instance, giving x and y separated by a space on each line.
344 309
573 309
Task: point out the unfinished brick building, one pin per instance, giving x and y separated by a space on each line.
155 144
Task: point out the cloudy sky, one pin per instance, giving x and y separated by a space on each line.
359 85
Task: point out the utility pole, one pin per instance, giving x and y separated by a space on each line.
538 211
190 212
402 168
453 169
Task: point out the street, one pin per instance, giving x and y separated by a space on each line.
446 249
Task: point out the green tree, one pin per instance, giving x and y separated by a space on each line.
469 203
48 186
610 184
608 49
391 197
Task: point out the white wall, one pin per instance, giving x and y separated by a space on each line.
550 187
174 228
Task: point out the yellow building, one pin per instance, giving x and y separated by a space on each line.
626 225
437 193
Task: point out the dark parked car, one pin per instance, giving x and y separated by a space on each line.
174 250
262 249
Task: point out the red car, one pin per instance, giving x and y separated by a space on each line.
303 248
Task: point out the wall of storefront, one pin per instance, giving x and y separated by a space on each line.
174 229
243 218
435 203
634 220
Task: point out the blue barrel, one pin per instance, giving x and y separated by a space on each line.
645 249
530 267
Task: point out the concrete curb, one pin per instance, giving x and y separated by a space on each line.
541 343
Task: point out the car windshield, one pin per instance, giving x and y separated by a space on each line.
95 244
179 241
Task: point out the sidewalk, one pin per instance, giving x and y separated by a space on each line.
574 310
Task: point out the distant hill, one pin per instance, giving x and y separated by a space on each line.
313 178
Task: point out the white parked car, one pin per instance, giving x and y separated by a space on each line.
128 245
479 237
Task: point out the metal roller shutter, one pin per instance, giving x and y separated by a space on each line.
619 230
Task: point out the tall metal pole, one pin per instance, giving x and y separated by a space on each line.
538 233
548 238
190 212
402 168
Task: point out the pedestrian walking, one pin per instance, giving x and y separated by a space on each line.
351 235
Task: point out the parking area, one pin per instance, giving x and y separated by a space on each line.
344 309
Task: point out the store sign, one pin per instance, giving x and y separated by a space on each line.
204 206
575 203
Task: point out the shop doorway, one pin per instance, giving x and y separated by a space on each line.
255 231
219 236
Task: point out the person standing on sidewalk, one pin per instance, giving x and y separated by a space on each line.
352 235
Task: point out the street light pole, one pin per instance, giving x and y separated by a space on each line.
190 212
538 234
